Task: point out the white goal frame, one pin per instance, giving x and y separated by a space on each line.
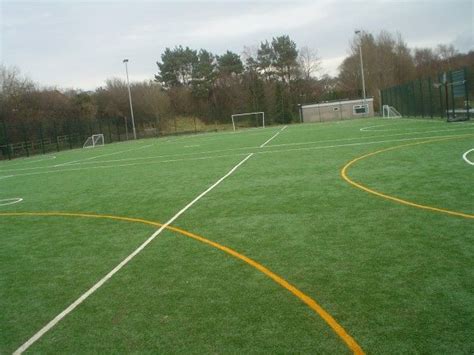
96 140
390 112
246 114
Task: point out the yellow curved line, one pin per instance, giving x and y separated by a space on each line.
396 199
336 327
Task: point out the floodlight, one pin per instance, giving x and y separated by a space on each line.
130 99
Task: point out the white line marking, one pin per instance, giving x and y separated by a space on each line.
29 160
43 159
10 201
94 288
464 156
276 134
240 148
379 136
192 146
102 155
150 161
368 128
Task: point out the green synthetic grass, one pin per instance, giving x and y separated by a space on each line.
398 279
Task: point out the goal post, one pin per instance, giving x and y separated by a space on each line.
390 112
96 140
235 118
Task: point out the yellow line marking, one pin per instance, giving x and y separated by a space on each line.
335 326
396 199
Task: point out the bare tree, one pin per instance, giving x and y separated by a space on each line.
309 62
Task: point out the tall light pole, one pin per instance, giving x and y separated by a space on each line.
130 99
359 34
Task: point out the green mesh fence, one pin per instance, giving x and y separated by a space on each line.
446 96
25 138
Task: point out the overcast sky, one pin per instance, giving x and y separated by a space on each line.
79 44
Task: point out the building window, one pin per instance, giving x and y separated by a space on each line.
360 109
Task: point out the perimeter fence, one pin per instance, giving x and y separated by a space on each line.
25 138
447 96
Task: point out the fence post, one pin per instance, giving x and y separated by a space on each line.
118 129
421 99
407 99
25 139
42 138
56 135
466 91
440 89
430 86
110 132
69 134
7 141
452 94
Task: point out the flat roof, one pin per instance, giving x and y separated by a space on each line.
332 103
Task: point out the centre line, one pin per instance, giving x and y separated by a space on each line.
125 261
276 134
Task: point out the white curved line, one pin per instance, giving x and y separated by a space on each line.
367 129
464 156
10 201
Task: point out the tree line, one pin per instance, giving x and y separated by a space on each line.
274 77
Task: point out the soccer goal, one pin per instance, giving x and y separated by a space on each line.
96 140
248 119
390 112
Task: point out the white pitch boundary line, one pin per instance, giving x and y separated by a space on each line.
30 160
237 149
230 155
276 134
464 156
102 155
215 135
94 288
378 136
253 147
50 157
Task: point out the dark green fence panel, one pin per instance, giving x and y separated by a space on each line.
22 138
447 96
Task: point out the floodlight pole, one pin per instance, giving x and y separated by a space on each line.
130 99
300 110
359 33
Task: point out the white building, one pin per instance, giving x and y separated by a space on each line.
338 110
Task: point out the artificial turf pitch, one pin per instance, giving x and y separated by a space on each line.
397 277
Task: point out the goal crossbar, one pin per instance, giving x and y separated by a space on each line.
247 114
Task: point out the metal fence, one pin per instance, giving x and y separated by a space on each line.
25 138
446 96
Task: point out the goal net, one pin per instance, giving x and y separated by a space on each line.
248 119
96 140
390 112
